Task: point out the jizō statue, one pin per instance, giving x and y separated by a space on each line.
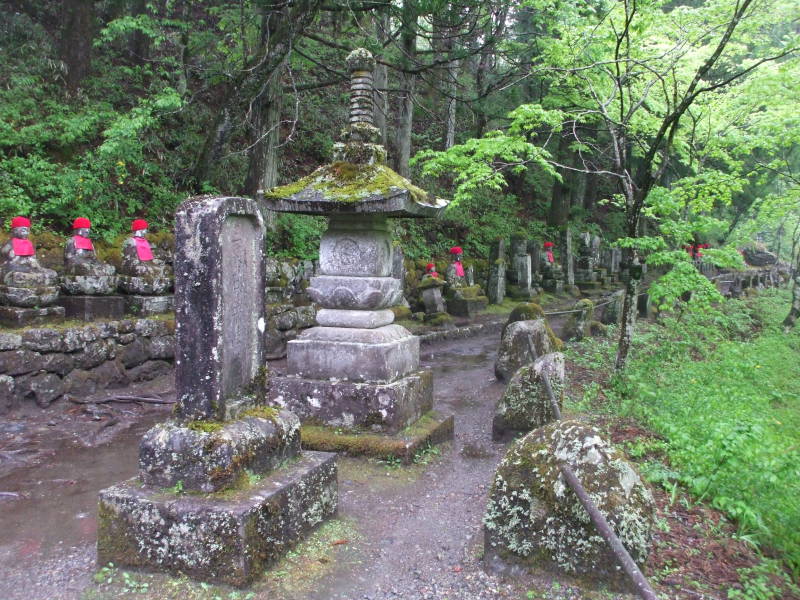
84 273
456 276
142 272
23 281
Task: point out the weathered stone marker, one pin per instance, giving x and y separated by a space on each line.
223 439
358 369
219 270
496 291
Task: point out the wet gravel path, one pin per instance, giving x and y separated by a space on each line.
419 531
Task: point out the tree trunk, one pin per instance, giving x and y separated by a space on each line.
76 40
138 43
405 113
794 311
262 171
629 307
559 201
381 81
450 104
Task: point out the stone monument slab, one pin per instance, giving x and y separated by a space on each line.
219 308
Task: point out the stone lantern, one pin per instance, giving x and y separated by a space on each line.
357 369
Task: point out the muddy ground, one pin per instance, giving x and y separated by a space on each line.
402 532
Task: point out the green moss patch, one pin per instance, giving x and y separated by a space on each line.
431 428
349 182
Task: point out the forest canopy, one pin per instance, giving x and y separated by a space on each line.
676 119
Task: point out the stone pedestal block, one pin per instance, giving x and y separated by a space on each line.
380 354
386 408
433 300
210 457
14 316
149 305
466 307
147 286
228 538
28 297
89 308
89 285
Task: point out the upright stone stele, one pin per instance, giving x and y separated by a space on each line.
520 273
357 369
223 438
496 289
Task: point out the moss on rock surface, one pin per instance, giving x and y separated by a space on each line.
534 518
525 405
350 182
524 312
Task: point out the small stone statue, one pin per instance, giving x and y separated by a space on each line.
552 273
23 281
430 272
84 273
141 272
456 276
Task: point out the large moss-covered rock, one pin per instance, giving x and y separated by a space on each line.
533 518
514 351
527 311
525 405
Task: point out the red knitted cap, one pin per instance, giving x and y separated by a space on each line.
20 222
549 244
81 223
138 225
456 250
430 267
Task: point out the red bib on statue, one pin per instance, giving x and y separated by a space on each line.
82 243
550 256
22 247
459 269
143 249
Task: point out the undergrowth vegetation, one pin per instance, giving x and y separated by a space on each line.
723 390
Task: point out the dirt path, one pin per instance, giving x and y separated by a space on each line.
402 532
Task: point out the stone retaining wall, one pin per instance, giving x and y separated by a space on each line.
42 364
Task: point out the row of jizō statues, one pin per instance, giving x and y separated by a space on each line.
24 282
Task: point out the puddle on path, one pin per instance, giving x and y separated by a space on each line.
56 503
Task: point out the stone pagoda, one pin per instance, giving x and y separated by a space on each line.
357 370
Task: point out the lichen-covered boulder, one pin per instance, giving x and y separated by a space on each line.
578 323
514 351
535 519
525 405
